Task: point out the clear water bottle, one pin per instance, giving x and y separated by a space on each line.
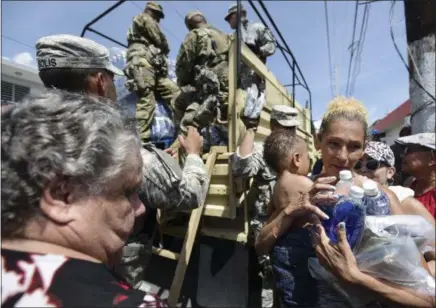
345 182
376 202
350 210
342 188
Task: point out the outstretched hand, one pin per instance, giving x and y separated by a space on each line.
337 258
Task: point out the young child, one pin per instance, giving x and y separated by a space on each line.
288 156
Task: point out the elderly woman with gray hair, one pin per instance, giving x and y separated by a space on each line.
71 169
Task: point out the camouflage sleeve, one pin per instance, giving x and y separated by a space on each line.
249 165
185 60
158 189
194 184
266 40
152 32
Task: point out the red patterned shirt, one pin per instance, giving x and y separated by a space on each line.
44 280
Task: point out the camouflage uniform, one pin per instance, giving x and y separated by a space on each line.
147 68
260 40
165 186
202 63
264 180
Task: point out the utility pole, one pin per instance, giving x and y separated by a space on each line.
421 32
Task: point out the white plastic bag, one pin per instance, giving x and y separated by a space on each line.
253 102
398 260
389 250
414 226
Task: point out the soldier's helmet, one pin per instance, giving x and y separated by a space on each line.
233 9
155 7
190 15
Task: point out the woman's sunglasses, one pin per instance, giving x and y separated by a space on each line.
369 164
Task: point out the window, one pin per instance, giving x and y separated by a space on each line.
13 92
20 92
7 91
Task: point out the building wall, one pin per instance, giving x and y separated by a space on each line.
19 79
394 132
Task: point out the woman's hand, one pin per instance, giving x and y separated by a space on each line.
339 258
301 206
321 192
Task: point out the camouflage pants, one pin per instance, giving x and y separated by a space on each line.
213 91
136 255
152 84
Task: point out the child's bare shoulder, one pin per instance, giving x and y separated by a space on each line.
293 182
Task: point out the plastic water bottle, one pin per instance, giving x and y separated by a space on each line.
343 185
345 182
376 202
351 211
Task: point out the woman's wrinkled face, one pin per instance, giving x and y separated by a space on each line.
110 217
342 145
374 170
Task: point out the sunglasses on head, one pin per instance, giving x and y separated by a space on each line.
371 164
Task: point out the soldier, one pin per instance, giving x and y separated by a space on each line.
77 64
257 37
248 162
202 63
147 66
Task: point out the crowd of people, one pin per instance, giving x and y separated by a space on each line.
78 176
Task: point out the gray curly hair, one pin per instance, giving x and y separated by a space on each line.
59 136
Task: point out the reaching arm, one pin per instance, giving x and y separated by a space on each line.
194 184
248 158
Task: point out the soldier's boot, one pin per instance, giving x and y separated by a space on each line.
188 118
145 108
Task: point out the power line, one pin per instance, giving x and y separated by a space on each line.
352 45
391 15
361 42
169 32
18 42
328 46
177 12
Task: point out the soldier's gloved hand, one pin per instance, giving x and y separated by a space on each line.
192 142
250 122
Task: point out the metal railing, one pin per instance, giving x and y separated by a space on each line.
286 51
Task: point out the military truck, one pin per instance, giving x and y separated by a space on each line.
204 258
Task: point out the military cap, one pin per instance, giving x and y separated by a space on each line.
70 51
426 140
233 9
192 14
155 7
285 115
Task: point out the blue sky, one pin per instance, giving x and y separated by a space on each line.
381 85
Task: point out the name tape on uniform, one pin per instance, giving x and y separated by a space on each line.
49 62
